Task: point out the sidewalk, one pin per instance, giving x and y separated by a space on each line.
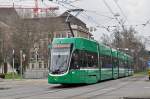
1 79
25 80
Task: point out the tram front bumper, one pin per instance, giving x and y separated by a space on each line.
70 78
59 79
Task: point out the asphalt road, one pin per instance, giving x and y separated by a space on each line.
130 87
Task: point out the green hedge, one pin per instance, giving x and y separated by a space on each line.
10 76
2 75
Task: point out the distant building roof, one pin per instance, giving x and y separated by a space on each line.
8 15
52 20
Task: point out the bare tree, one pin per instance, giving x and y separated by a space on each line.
106 39
33 31
127 39
24 38
117 41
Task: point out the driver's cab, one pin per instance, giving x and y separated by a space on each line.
60 58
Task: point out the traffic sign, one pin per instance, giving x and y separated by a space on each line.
148 63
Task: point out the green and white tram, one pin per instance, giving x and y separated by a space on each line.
79 60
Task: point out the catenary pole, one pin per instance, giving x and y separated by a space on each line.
21 63
13 63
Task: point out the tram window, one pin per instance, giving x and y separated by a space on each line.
106 62
121 64
125 64
84 59
92 60
75 60
115 62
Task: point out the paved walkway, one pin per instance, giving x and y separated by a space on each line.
1 79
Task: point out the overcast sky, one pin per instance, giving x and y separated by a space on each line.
136 11
97 14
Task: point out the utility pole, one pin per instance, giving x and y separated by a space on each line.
21 63
13 63
13 3
36 9
36 58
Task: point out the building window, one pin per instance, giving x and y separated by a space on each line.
63 35
40 65
32 54
32 66
57 35
69 35
45 65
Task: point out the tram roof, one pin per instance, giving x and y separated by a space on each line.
79 43
84 44
91 45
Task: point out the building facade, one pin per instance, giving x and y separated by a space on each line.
38 65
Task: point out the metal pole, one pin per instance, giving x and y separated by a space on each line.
13 3
21 63
36 57
36 63
13 63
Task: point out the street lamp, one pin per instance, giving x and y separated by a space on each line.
36 57
13 63
22 58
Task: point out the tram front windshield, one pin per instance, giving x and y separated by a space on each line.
59 60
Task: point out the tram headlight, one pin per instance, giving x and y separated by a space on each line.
73 72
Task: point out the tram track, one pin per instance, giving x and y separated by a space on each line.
89 91
101 91
135 79
27 93
37 94
51 92
104 90
81 95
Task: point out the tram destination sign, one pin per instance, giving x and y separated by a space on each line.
61 45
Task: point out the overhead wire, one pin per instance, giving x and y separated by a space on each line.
63 4
75 1
87 10
95 12
121 10
120 21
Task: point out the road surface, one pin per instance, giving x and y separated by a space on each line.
130 87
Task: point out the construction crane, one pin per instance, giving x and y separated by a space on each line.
36 9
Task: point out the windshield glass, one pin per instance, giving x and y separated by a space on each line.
59 60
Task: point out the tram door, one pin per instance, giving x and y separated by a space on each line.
92 67
115 67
